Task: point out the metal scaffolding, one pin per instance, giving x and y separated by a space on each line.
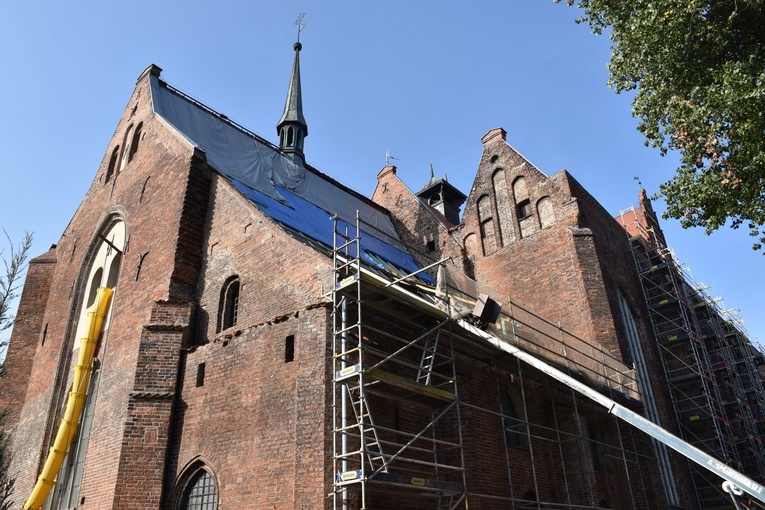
398 419
709 365
375 368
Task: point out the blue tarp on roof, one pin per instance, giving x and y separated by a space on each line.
242 156
317 224
288 193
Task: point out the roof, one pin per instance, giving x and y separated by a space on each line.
442 183
301 199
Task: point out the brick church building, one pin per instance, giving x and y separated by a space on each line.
276 340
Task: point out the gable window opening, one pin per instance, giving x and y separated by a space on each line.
524 209
134 142
126 148
112 164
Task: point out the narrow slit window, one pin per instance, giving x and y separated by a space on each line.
289 349
200 375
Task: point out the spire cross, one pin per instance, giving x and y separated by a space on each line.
300 24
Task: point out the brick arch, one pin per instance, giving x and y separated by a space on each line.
527 224
486 225
504 207
125 149
187 481
520 189
545 212
471 247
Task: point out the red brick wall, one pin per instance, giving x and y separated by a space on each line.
260 424
159 195
415 223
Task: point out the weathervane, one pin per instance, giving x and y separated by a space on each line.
300 24
388 157
638 181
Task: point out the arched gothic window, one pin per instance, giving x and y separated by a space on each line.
486 225
228 309
126 148
523 210
504 208
520 191
104 272
198 490
112 164
134 142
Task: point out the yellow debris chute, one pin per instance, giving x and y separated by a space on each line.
77 395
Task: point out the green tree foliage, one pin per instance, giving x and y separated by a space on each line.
14 263
698 69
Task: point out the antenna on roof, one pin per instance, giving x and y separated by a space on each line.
300 24
388 157
638 181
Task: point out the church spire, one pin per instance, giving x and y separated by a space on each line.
292 127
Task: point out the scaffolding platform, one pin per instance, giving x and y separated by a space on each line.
401 481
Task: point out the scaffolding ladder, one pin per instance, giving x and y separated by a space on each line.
396 423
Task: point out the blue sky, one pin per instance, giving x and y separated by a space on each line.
421 79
